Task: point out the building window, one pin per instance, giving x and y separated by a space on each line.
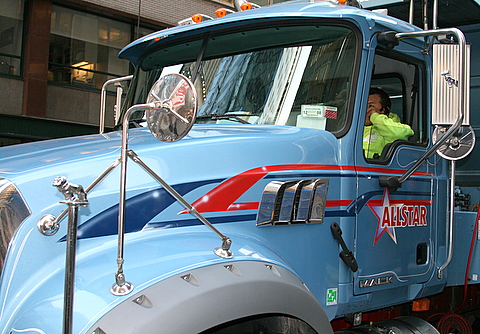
11 31
84 48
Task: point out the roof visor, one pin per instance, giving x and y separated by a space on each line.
236 41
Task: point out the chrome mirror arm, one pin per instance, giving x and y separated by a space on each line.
432 149
395 182
224 250
122 287
48 225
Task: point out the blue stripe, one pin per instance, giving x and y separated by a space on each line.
139 210
195 221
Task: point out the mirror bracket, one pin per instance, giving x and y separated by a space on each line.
390 181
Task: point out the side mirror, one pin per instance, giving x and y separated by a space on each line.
176 107
451 101
458 146
451 84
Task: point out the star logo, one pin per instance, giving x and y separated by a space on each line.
382 213
393 214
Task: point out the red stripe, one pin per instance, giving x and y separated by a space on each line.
338 203
243 206
223 197
404 202
254 205
389 171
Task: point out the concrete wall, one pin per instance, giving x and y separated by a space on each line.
76 105
11 94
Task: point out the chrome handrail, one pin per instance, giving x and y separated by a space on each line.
103 98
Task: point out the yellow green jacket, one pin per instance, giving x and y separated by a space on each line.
385 130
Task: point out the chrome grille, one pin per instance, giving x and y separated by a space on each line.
13 210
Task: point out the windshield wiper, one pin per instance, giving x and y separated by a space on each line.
237 117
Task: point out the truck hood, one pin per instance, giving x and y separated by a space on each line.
195 165
17 161
223 163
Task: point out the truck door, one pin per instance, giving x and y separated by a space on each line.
394 228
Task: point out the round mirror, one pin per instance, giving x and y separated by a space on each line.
458 146
176 109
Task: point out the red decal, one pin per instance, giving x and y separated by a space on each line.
331 113
392 214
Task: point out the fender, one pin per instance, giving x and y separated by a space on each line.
202 298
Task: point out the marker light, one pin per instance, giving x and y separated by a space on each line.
197 18
342 1
221 12
422 304
248 6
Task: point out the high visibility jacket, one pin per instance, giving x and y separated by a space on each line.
385 130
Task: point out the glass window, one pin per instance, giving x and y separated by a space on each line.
11 31
301 83
84 48
400 79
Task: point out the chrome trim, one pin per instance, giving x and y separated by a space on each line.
143 301
450 224
98 330
190 278
293 202
75 196
369 282
13 211
122 287
48 225
103 98
87 190
233 269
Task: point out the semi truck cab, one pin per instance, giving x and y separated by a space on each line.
255 204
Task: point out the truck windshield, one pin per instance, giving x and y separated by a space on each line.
305 82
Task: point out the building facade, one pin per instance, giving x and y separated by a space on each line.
56 55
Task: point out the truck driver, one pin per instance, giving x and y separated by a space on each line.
381 126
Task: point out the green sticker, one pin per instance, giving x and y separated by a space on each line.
332 296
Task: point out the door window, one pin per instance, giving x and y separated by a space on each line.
404 121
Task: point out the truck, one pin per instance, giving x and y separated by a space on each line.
236 195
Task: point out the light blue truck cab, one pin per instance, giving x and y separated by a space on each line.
265 215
